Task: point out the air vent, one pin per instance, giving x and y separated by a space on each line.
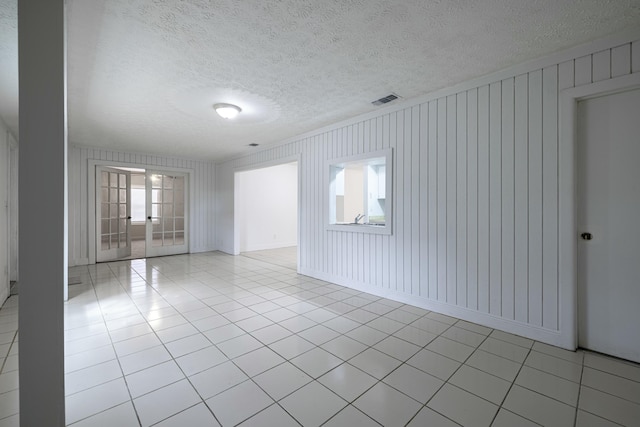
253 144
386 99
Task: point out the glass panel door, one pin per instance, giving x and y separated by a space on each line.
113 213
167 224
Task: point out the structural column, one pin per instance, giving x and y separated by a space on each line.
42 195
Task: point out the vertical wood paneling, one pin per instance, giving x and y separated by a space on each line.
404 139
508 202
535 198
521 188
495 198
483 199
550 197
432 179
601 65
415 200
423 193
452 209
442 199
583 70
395 256
635 56
461 198
621 60
566 74
472 199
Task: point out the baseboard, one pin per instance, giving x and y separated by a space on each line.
78 261
515 327
266 246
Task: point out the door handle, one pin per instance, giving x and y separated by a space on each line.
128 217
586 236
149 218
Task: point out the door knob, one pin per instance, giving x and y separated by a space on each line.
128 217
586 236
149 218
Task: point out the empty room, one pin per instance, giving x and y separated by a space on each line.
319 213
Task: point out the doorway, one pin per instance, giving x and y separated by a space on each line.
266 214
608 208
140 213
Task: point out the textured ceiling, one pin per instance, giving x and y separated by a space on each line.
143 74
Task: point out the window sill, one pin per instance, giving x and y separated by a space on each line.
361 228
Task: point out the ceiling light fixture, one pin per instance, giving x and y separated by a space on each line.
227 111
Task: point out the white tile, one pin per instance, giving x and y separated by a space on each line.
165 402
9 381
375 363
223 333
239 314
612 384
481 384
170 321
291 346
395 347
85 344
177 332
9 403
432 363
347 381
313 404
429 417
613 366
144 359
94 400
271 334
88 377
254 323
483 330
134 345
553 365
282 380
258 361
341 324
344 347
505 349
384 324
550 385
494 365
217 379
402 316
121 415
571 356
415 336
430 325
387 405
513 339
129 332
538 408
352 417
201 360
414 383
187 345
509 419
316 362
463 407
273 416
361 316
448 320
210 322
239 403
585 419
11 364
367 335
464 336
297 323
318 334
84 359
153 378
239 345
279 315
609 407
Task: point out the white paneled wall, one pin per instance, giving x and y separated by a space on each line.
475 195
202 236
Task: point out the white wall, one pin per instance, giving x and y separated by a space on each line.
267 200
4 211
475 195
202 236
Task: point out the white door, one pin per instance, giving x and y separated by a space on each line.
113 213
167 216
609 224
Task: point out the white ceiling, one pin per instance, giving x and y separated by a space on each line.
143 74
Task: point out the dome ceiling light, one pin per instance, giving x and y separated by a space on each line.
227 111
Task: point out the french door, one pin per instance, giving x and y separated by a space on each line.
166 207
167 219
113 208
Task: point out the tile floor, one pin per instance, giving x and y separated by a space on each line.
209 339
